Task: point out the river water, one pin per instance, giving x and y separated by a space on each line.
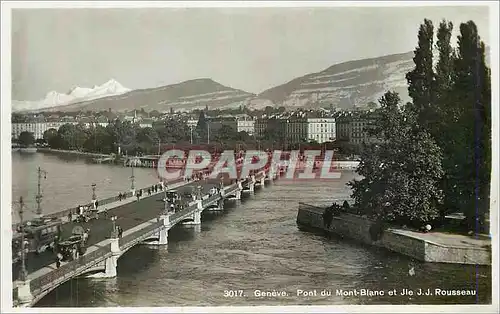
254 245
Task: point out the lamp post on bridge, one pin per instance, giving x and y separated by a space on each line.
113 231
199 192
23 273
39 195
132 180
94 197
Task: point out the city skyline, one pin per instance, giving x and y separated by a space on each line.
138 52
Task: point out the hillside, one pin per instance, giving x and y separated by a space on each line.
187 95
346 84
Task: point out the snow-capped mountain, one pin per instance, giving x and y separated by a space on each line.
75 94
188 95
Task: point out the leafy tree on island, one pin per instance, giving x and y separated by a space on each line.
434 155
453 103
400 172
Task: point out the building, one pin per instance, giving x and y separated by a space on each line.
37 128
246 125
216 123
321 130
146 123
192 123
353 127
296 129
102 121
265 127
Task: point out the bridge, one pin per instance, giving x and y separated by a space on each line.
144 221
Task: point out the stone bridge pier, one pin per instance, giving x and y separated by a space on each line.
161 238
112 262
263 182
251 184
237 195
24 293
197 212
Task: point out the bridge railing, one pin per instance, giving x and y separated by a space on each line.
176 216
102 202
69 270
231 189
211 199
137 236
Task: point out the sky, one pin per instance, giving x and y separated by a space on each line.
252 49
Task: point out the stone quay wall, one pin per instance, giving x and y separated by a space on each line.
357 228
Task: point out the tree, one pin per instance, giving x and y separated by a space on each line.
469 151
460 116
99 141
269 110
400 173
148 139
202 127
66 134
26 138
226 133
421 78
147 135
172 131
49 135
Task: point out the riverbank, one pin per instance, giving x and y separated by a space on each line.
433 247
72 152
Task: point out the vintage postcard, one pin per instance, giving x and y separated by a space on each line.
250 156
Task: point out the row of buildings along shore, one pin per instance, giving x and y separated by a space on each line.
292 127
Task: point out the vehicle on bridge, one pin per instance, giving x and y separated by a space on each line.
188 196
86 214
75 243
39 235
172 196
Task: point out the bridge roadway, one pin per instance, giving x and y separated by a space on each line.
128 216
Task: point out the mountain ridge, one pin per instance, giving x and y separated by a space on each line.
344 85
191 94
54 99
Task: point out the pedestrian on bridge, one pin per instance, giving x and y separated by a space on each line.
120 231
59 258
85 236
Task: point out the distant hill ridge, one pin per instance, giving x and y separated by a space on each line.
344 85
188 95
348 84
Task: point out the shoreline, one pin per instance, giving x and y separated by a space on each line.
434 247
71 152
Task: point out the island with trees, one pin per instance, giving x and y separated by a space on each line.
432 156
